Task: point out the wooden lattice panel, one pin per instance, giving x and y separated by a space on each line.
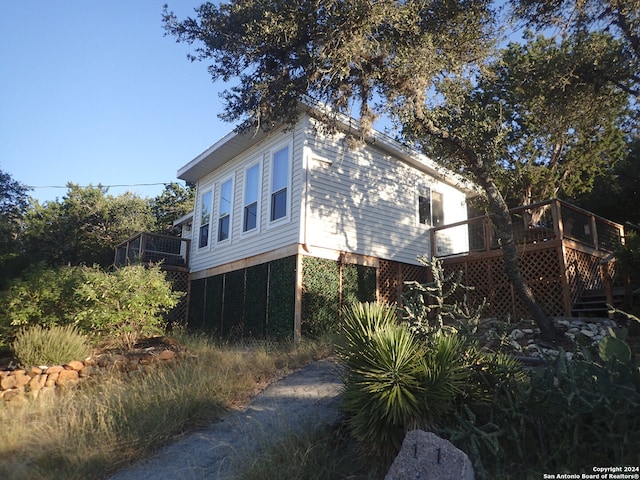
582 272
414 273
540 269
387 281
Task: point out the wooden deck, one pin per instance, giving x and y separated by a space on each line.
565 254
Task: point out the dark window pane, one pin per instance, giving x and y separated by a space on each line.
250 216
424 210
204 236
223 228
279 204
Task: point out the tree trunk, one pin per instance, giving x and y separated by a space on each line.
501 219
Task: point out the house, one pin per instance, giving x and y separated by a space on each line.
288 226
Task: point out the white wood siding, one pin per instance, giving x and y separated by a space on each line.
267 236
364 201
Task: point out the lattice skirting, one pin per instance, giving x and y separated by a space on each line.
180 282
541 268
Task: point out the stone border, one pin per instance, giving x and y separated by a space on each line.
45 380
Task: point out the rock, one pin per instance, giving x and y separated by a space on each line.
8 383
10 395
52 378
516 334
426 456
146 359
167 355
34 372
22 378
37 382
66 377
54 369
587 333
515 345
75 365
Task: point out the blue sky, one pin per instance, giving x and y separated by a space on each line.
92 92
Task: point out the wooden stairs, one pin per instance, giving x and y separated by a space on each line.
593 303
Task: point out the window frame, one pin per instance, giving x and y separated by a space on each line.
245 204
286 188
228 216
208 203
430 220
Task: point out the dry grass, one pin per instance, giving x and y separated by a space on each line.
91 430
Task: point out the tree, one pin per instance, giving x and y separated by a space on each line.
404 59
85 226
619 19
617 190
174 202
13 205
557 126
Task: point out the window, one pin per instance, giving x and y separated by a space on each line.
430 209
251 195
224 216
279 183
205 219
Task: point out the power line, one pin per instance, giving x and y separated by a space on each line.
101 186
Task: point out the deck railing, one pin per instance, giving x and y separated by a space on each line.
153 248
540 222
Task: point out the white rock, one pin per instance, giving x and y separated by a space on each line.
516 334
426 456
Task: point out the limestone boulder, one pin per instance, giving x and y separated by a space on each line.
426 456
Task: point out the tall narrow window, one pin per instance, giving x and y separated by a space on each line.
205 219
224 216
430 207
279 183
251 195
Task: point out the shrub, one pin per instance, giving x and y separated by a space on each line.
125 304
395 380
54 345
43 296
440 305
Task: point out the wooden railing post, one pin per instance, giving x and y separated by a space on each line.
556 215
486 226
594 231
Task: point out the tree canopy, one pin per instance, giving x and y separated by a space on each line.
618 19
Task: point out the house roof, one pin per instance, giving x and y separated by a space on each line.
219 153
235 143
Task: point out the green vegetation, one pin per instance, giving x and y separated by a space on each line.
320 454
429 372
55 345
119 306
97 427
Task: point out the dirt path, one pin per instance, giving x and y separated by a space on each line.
305 399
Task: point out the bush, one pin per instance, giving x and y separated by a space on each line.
123 304
43 296
55 345
126 304
396 381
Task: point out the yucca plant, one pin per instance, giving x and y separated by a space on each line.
384 389
395 380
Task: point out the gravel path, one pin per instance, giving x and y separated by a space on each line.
306 398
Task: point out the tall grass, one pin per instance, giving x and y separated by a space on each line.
319 454
98 427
